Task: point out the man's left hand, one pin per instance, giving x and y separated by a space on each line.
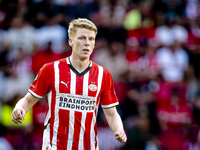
120 136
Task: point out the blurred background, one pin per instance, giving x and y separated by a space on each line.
151 48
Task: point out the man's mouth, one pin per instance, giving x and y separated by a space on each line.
86 50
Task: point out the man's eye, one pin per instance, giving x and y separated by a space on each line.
91 39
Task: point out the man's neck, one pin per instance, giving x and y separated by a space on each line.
78 64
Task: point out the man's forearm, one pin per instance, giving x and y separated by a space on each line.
22 107
113 119
115 122
22 103
26 102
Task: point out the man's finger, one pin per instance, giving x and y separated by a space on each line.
21 115
14 120
13 116
123 139
120 136
19 120
119 133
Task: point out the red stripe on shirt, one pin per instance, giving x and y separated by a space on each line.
65 77
79 85
95 126
87 139
95 131
63 129
52 116
77 128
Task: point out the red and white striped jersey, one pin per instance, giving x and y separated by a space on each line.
73 100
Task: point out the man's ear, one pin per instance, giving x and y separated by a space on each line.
70 41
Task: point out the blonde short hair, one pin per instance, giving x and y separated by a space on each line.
80 23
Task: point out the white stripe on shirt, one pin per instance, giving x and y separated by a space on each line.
71 116
56 118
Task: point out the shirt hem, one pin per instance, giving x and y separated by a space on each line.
34 94
111 105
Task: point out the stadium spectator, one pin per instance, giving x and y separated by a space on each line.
54 32
173 60
113 59
174 117
20 35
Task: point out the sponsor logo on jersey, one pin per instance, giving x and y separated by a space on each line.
78 103
93 87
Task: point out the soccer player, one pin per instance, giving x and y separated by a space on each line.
74 86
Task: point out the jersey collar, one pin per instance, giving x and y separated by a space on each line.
75 71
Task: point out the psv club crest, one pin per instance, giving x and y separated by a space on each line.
93 87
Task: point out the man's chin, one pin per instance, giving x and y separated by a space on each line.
84 57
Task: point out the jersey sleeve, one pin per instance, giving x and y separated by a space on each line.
108 96
41 85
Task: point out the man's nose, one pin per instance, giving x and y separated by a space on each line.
87 42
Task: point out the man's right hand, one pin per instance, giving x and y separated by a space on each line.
18 115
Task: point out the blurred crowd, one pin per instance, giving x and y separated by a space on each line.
151 48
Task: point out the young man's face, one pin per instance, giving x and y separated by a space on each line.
82 43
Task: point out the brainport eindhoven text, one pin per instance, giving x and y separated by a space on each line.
77 103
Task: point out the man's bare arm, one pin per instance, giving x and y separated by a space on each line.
115 123
22 107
